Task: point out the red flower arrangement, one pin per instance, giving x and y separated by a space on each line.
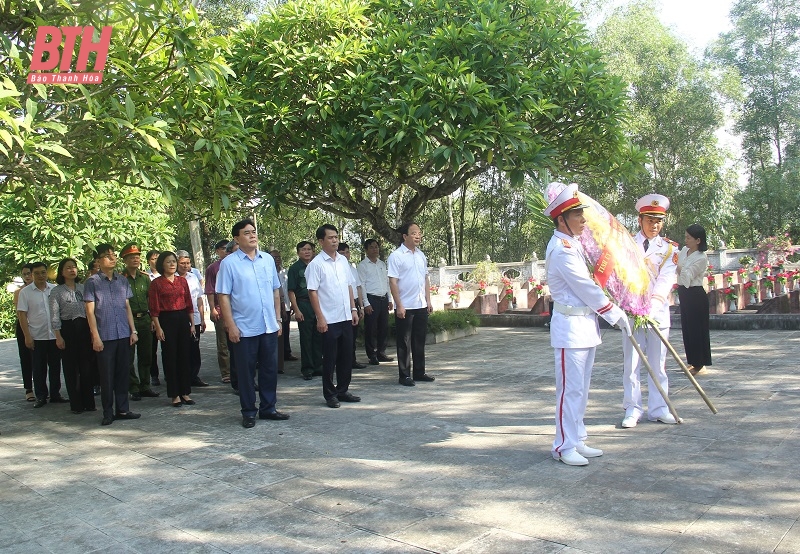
728 275
730 293
751 288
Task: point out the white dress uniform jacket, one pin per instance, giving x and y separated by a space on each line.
661 258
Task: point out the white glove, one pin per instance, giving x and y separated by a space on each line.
623 324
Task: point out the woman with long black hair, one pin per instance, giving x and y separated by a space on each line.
692 266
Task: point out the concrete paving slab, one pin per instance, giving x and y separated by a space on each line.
459 465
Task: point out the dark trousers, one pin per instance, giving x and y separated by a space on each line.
234 375
258 353
46 360
142 351
78 361
287 347
154 357
175 352
337 356
194 355
695 325
25 359
310 340
112 363
376 327
411 333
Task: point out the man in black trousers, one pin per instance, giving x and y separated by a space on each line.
373 275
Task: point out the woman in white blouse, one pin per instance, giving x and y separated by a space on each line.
692 266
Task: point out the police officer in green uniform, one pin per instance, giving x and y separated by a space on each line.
139 381
310 339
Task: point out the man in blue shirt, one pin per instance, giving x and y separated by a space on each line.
249 299
111 325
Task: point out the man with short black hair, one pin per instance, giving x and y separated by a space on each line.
411 290
310 339
223 354
33 311
329 278
375 280
139 282
113 331
249 297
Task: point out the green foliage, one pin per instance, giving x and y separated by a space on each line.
71 225
8 315
675 115
371 109
163 118
486 271
445 320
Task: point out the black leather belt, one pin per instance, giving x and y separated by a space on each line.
139 315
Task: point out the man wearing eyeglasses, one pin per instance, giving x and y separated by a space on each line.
113 331
248 288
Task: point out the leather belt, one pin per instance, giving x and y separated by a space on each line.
139 315
572 310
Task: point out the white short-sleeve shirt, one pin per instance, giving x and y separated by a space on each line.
410 268
36 304
331 278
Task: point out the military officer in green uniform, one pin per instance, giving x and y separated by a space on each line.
139 381
310 339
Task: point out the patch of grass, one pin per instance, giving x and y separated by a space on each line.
444 321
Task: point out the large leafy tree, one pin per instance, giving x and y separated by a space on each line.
675 115
764 50
373 108
163 118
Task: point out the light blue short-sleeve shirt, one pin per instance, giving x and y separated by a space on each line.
250 285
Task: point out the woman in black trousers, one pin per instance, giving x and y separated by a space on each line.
171 311
692 266
68 319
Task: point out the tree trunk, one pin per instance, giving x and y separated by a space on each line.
454 258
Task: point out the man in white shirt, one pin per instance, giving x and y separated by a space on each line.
33 311
375 279
661 257
357 289
328 279
411 290
198 317
286 355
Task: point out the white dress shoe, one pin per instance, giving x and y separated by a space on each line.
588 451
667 418
629 422
572 459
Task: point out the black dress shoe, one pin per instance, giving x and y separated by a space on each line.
332 402
135 397
188 401
40 402
177 404
384 358
280 372
425 377
359 365
407 381
290 358
149 394
107 421
347 397
307 377
58 400
248 422
277 416
128 415
199 383
374 361
154 382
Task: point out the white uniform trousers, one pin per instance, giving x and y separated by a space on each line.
656 353
573 373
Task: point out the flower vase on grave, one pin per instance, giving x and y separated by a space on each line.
753 299
769 294
733 307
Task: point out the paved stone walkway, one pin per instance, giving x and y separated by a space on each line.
459 465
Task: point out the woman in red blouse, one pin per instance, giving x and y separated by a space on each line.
171 310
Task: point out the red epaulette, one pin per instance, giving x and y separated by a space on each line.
566 243
672 242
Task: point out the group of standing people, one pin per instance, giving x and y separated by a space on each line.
578 300
93 328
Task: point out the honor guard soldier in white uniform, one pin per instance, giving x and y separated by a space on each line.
661 257
574 332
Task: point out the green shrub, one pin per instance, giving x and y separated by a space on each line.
443 321
8 315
